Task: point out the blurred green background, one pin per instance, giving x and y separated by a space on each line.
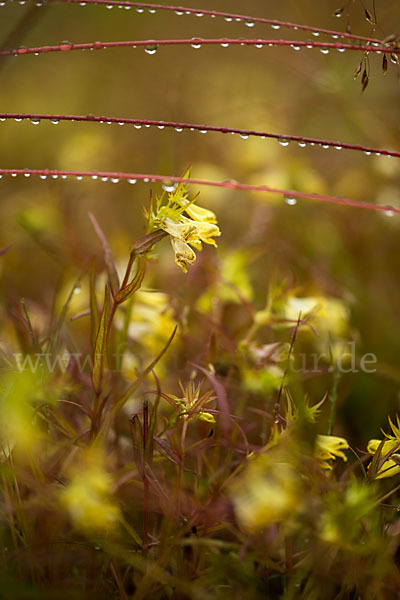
326 250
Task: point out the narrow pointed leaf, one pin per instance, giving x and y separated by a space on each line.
100 351
124 293
94 311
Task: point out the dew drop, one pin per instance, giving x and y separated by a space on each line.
2 3
94 177
178 129
132 181
341 49
377 154
169 186
151 49
55 176
77 288
179 13
79 177
152 11
1 176
35 121
203 130
302 144
146 180
291 201
137 126
161 126
334 36
315 33
197 45
367 153
258 45
27 174
338 147
121 123
224 44
82 3
310 46
2 119
54 121
199 14
325 146
14 174
275 26
295 47
104 178
147 125
228 19
43 176
127 7
64 176
65 45
324 50
389 212
249 23
114 179
283 142
244 136
140 10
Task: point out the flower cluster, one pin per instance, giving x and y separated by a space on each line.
188 226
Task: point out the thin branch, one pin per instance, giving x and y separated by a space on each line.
115 177
152 45
245 133
199 12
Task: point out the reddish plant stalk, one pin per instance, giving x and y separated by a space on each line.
153 44
196 127
115 177
215 13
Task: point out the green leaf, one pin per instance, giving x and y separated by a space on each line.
94 311
100 351
125 292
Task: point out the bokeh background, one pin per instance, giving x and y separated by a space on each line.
340 252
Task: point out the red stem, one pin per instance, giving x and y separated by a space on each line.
215 13
116 176
67 46
195 127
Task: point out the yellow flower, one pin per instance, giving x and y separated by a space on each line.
391 465
185 223
191 405
268 491
328 447
87 497
184 255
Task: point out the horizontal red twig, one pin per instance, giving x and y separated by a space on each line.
115 177
195 127
183 10
151 45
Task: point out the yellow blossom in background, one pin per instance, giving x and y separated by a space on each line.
268 491
20 393
326 314
329 447
390 448
87 496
